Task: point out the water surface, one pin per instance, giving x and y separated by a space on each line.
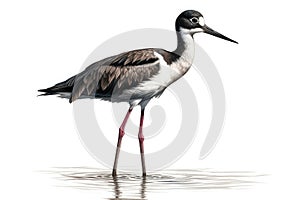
133 186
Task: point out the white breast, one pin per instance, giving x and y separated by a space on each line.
157 83
167 73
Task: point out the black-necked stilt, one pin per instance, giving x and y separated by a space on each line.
137 76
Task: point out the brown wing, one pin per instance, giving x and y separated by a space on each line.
115 74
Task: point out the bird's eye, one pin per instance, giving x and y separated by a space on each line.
194 20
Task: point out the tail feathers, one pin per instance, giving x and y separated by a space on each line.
63 87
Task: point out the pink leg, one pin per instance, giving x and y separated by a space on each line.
121 134
141 141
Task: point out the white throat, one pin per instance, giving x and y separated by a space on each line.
188 52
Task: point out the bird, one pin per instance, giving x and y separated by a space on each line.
137 76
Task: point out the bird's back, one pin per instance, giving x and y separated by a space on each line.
112 77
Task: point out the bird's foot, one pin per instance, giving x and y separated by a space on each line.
114 173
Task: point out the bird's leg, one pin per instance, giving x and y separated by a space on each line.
121 134
141 141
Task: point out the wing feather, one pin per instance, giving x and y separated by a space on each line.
124 71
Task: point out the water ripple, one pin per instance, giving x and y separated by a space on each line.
132 186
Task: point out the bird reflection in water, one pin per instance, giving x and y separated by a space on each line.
118 190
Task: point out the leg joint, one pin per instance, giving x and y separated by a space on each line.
121 132
141 137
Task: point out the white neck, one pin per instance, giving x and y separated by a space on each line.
185 45
189 48
185 49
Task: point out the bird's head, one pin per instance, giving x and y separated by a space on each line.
191 22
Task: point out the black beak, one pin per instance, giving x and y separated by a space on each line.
215 33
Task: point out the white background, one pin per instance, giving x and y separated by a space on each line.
43 43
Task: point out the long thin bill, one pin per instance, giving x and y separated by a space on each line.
216 34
